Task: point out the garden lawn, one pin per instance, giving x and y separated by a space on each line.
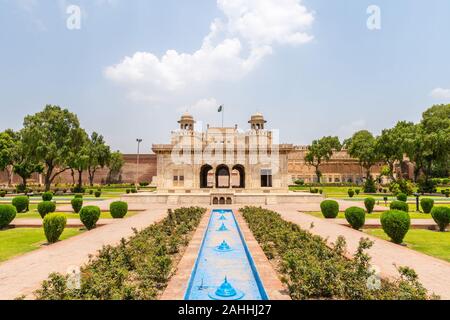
433 243
35 215
18 241
375 215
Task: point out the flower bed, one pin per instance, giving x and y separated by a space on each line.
312 270
137 269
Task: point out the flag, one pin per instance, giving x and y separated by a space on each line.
220 109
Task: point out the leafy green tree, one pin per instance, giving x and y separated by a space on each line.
8 144
321 151
51 137
24 164
115 166
363 146
79 156
99 155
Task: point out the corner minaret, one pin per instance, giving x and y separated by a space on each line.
187 122
257 121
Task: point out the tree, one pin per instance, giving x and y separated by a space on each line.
50 137
99 155
79 156
23 164
115 166
320 151
362 146
8 144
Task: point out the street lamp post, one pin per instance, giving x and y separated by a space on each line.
137 161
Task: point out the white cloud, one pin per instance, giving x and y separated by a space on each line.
440 93
231 50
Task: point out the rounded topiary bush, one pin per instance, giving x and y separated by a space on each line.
46 207
441 215
118 209
98 194
369 203
2 193
427 204
330 209
89 216
402 197
21 203
7 215
128 191
54 225
356 217
399 205
396 224
77 204
351 193
78 196
357 191
47 196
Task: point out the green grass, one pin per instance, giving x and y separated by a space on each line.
374 215
433 243
35 215
18 241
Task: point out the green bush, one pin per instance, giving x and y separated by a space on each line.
369 204
370 187
89 216
396 224
54 225
2 193
46 207
402 197
91 192
399 205
7 215
330 209
98 194
78 196
128 191
441 215
47 196
134 190
77 204
21 203
356 217
351 193
427 204
357 191
118 209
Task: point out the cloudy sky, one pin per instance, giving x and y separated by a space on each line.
313 67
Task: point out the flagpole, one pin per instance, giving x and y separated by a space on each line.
223 114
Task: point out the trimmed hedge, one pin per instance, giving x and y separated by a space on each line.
7 215
330 209
351 193
77 204
399 205
441 215
21 203
54 224
356 217
46 207
118 209
369 203
89 216
2 193
427 204
98 194
402 197
47 196
78 196
396 224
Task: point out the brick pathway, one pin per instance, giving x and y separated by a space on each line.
433 273
22 275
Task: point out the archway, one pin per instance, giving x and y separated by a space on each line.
240 170
204 171
222 200
216 200
222 176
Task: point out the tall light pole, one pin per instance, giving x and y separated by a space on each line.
137 161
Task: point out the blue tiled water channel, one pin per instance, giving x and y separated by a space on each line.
224 269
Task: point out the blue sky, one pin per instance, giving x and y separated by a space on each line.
312 67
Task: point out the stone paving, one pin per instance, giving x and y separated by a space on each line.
22 275
433 273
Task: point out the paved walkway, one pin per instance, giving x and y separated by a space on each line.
433 273
23 275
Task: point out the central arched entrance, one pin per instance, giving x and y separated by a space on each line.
222 177
238 173
204 174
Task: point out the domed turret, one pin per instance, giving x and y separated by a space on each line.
187 122
257 121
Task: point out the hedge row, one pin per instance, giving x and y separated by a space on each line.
312 270
137 269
